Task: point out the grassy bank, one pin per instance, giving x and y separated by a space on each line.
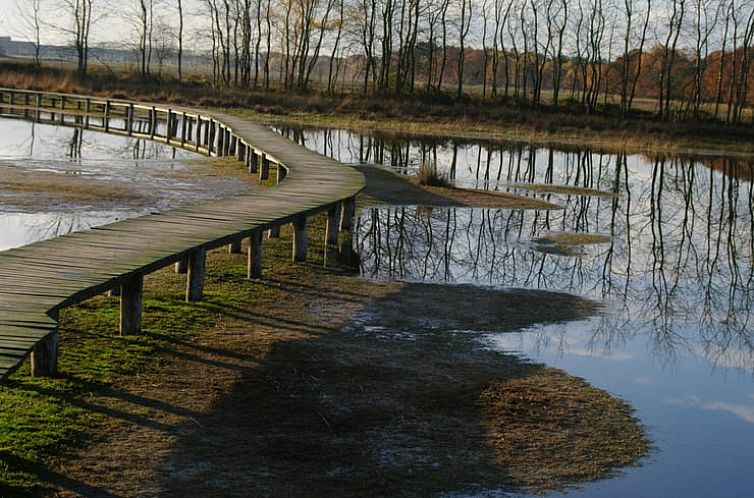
429 114
275 387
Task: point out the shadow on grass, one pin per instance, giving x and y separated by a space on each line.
386 406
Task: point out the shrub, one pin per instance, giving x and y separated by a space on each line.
428 175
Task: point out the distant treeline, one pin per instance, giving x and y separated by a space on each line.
692 58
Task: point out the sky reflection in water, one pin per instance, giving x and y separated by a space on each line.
675 277
161 177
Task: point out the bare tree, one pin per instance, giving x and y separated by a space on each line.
32 23
80 14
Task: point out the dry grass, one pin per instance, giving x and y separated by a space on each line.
573 239
529 421
427 174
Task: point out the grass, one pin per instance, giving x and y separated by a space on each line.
318 399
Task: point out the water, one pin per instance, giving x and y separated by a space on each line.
673 273
56 179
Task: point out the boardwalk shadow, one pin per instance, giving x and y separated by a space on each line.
387 187
386 406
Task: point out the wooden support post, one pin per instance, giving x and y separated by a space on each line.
181 266
234 247
349 211
39 105
26 105
264 170
281 173
333 225
241 152
220 141
256 254
183 129
233 144
212 133
253 161
195 280
169 126
274 232
198 133
131 292
300 241
226 142
44 356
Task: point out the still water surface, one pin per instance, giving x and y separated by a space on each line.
674 275
146 176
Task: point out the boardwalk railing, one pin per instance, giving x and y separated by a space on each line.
39 279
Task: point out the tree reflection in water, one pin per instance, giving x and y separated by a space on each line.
680 235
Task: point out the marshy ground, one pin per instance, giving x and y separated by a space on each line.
310 382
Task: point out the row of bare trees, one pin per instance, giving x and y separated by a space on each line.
693 58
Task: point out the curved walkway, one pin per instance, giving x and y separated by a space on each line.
39 279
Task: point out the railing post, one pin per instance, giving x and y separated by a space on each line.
62 110
106 116
253 161
130 119
241 152
152 122
300 239
131 293
39 106
349 211
87 110
195 280
256 254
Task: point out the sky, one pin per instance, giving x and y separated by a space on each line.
14 24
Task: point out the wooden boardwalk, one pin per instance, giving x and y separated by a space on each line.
39 279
